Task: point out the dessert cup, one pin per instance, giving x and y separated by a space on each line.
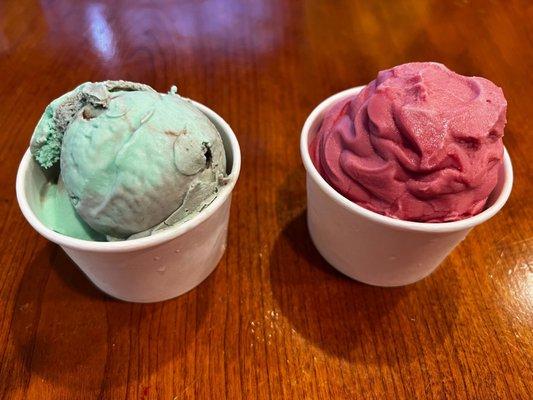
371 247
154 268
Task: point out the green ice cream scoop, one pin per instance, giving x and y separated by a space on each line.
132 160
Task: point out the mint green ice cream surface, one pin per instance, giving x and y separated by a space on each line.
132 161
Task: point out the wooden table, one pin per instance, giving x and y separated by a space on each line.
274 321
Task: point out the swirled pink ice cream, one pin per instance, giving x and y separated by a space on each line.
419 143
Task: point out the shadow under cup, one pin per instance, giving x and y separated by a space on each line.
154 268
371 247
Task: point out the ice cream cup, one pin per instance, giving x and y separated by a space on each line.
373 248
153 268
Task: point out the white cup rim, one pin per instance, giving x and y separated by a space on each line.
431 227
145 242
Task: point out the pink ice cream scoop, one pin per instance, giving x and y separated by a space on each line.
419 143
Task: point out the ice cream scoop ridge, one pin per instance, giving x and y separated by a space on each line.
132 161
419 143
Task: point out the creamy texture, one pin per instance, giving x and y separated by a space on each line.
419 143
58 213
132 161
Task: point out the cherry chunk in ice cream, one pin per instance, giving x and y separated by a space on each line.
419 143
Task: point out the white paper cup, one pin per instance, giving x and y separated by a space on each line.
371 247
153 268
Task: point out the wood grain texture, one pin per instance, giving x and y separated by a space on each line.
274 321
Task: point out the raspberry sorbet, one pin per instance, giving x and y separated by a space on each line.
419 143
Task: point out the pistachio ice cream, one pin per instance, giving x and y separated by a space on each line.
131 161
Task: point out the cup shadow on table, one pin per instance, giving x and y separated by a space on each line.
64 327
343 317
